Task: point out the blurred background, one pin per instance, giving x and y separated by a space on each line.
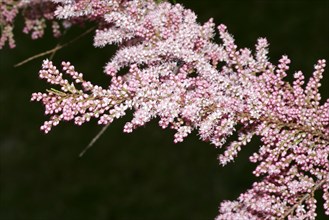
142 175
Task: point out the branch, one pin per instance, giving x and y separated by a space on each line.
52 51
92 142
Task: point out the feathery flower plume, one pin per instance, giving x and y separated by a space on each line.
174 76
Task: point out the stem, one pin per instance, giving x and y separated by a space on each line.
92 142
53 51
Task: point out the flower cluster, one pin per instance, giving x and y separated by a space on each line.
79 104
36 13
178 74
9 10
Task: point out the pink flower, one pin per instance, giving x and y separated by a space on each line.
173 76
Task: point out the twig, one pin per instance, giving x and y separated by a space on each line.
53 51
92 142
38 55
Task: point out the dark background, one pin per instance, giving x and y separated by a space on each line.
142 175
